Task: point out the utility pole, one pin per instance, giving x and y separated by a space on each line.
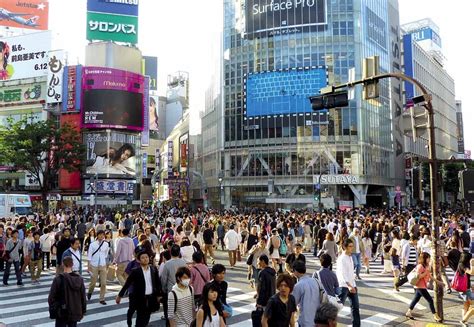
330 98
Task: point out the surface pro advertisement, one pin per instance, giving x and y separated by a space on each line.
279 17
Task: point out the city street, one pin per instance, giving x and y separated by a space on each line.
380 304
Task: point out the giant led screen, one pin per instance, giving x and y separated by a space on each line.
282 92
279 17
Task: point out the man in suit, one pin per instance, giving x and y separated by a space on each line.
146 290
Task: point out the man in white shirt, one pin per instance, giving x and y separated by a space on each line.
232 240
75 253
97 267
46 242
347 282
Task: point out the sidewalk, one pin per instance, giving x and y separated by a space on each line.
452 315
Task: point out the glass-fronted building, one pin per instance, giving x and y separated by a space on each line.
277 152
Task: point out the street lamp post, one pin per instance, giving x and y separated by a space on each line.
221 188
334 97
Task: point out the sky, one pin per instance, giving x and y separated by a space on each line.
185 34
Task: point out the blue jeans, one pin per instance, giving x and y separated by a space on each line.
422 292
354 299
6 274
357 263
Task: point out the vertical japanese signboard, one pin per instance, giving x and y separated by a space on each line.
170 158
72 88
56 64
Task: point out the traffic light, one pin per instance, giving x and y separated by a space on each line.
415 122
370 68
330 100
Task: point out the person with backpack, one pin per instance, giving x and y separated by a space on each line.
273 246
199 276
67 297
146 289
210 312
306 293
181 312
423 276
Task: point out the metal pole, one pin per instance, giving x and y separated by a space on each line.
435 220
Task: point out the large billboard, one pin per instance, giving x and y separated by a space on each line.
376 28
153 117
20 95
72 87
70 180
150 68
119 7
112 154
24 56
24 14
282 91
112 98
111 27
146 114
409 65
279 17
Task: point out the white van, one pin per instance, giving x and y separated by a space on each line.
15 204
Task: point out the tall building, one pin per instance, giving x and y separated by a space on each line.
276 151
423 60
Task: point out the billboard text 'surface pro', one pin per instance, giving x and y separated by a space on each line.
279 17
282 92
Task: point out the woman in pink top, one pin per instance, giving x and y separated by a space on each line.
423 271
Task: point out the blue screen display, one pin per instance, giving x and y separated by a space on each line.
282 92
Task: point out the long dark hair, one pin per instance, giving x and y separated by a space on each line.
4 47
205 301
121 150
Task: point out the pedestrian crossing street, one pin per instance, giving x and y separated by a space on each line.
28 305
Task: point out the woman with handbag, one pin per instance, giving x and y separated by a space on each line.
462 284
423 277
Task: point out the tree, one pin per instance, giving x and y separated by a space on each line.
41 148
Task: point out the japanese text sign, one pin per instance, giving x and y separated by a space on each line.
25 56
55 76
111 27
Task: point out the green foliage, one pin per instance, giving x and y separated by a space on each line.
450 176
41 147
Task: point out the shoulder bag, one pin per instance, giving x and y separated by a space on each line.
6 254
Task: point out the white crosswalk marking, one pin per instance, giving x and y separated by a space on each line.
28 306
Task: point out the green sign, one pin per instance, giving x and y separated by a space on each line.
111 27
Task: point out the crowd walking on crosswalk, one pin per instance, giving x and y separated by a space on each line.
166 262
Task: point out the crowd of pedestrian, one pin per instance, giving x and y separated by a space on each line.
169 260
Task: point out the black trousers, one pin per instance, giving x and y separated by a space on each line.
144 312
62 323
131 309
